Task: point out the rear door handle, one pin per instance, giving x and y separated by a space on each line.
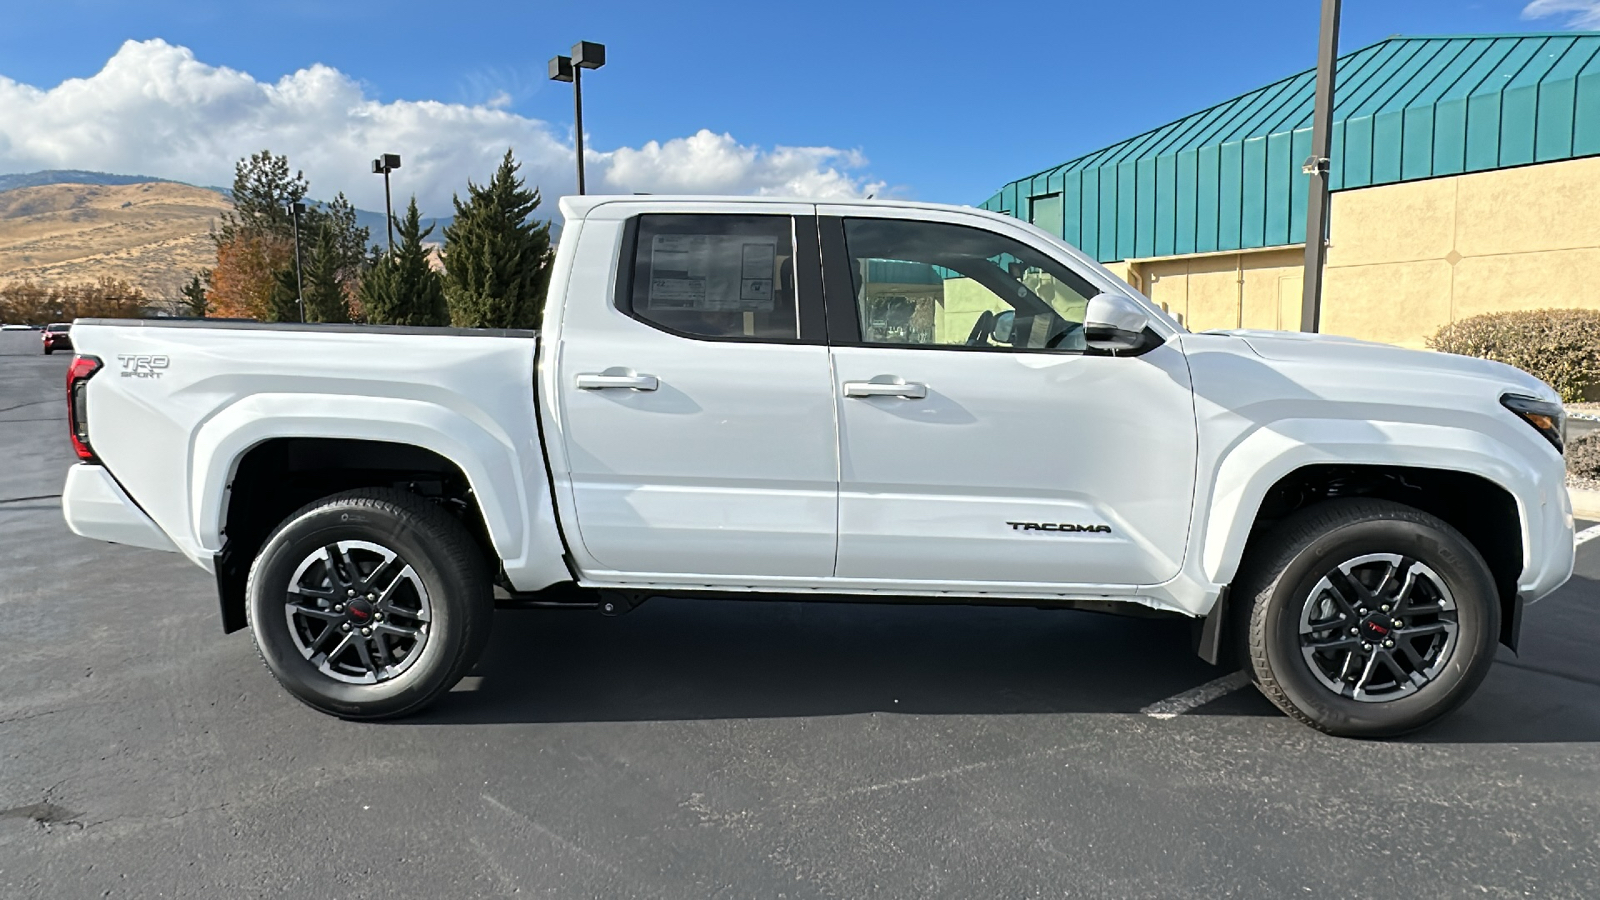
886 386
613 380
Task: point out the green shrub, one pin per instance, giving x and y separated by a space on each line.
1561 347
1583 456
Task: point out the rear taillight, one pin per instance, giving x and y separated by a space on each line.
78 403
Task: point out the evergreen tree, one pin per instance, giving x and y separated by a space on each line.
262 187
325 298
283 304
350 239
405 290
497 262
194 294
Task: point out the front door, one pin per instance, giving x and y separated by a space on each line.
981 444
696 397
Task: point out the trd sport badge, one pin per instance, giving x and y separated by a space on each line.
142 366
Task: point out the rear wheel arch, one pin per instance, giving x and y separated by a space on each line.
278 476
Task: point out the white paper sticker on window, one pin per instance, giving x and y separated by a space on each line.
712 272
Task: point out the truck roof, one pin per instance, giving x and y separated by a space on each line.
578 206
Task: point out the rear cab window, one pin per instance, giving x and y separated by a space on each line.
714 276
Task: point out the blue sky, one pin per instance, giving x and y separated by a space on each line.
940 101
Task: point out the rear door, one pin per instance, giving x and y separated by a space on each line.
696 397
982 447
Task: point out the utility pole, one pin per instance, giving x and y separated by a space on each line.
1317 167
585 55
385 164
295 211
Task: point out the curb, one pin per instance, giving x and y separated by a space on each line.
1585 504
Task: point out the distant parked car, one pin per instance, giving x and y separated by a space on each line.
57 336
16 327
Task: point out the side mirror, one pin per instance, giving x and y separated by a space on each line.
1003 323
1113 322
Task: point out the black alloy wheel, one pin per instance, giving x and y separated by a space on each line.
370 604
1365 618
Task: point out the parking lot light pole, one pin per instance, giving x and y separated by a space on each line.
385 164
295 211
1317 167
585 55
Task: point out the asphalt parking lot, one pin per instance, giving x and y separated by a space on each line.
697 749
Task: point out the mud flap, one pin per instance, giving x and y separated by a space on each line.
1511 621
1209 634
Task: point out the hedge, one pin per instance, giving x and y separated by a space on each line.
1560 347
1583 456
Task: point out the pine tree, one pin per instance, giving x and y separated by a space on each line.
497 262
405 290
283 300
262 187
256 242
350 239
324 288
194 294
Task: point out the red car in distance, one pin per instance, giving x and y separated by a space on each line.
57 336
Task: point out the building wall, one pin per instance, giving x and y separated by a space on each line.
1405 259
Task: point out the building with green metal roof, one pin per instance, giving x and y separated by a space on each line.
1227 180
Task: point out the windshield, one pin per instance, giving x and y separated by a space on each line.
58 328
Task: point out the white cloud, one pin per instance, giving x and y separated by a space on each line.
1579 13
156 110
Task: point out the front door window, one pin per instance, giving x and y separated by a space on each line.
931 284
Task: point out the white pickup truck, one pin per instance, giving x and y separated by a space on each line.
871 400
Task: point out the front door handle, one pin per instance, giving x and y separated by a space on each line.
886 386
615 379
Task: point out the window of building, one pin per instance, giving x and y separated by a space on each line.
930 284
715 276
1046 212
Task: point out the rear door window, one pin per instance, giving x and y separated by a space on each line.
728 277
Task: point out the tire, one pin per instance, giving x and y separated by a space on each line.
436 587
48 351
1306 554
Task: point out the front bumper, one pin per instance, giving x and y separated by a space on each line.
95 506
1551 552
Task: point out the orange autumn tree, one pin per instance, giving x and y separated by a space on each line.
246 275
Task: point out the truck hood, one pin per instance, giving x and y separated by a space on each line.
1336 352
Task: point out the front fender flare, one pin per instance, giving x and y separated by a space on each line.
1264 457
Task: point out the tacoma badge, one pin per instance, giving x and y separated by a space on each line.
1053 526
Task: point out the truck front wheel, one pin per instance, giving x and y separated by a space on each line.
1367 618
369 604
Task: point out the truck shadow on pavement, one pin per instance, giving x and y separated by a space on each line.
676 659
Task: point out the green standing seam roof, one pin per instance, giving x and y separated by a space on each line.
1406 109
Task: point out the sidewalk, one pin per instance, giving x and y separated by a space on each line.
1585 504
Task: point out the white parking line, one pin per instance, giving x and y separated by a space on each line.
1178 704
1588 534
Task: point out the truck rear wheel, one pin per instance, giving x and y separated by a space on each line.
1367 618
369 604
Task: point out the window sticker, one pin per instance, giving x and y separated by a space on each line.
712 272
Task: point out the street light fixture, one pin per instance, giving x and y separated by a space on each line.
383 165
295 211
585 55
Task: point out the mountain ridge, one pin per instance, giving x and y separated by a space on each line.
372 221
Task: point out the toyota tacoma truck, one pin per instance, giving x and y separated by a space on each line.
879 401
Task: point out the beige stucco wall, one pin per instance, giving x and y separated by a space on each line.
1254 289
1405 259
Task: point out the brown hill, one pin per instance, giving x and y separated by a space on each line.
153 235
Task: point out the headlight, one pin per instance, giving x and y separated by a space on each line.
1547 418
